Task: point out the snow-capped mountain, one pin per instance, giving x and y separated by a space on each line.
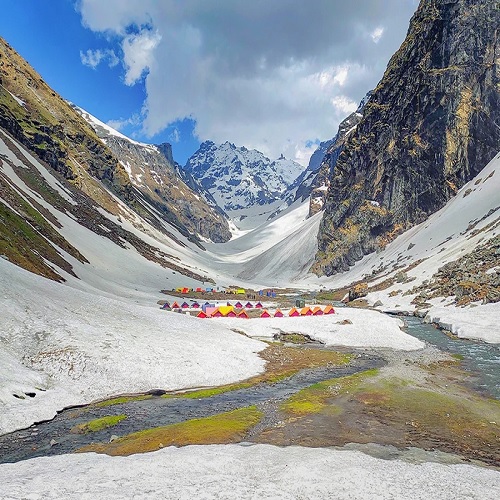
240 178
162 184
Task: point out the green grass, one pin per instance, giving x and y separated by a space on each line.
98 424
229 427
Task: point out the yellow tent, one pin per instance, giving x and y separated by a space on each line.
225 310
241 291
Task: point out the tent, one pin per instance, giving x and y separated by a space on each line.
184 305
225 310
217 314
210 310
231 314
265 314
166 305
195 305
201 314
242 314
306 311
249 305
206 305
258 305
185 290
199 289
209 289
240 291
175 305
238 305
329 310
293 312
317 311
278 313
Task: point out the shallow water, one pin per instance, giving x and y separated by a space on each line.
480 358
158 411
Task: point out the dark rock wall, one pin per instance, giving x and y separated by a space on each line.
431 125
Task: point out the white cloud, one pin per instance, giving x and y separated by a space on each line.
175 136
120 124
268 75
92 58
377 34
138 50
343 104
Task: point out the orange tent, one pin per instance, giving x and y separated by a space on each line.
243 314
317 311
185 290
231 314
278 313
175 305
306 311
329 310
265 314
293 312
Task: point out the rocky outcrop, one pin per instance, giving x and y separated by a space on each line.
321 182
475 277
155 176
430 126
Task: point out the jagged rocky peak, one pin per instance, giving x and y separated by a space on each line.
240 178
321 182
429 127
153 173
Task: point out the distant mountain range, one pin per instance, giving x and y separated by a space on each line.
240 178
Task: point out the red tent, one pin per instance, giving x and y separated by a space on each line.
243 314
199 289
231 314
278 313
175 305
265 314
185 290
201 314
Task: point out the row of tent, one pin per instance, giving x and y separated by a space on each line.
196 305
185 289
231 312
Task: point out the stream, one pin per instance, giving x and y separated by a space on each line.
480 359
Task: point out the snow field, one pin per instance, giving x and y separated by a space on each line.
244 472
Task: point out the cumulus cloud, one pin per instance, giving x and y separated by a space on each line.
92 58
268 75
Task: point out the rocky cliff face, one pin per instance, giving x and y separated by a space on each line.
153 173
321 182
431 125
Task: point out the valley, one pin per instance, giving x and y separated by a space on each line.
395 221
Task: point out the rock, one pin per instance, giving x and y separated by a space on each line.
345 322
416 145
357 291
114 437
53 442
401 277
378 304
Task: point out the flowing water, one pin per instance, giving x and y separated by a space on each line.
482 360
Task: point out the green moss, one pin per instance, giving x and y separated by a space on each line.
317 397
229 427
457 356
98 424
121 400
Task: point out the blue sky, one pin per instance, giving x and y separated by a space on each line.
275 76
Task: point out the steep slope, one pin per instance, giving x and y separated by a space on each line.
430 126
153 173
36 116
239 178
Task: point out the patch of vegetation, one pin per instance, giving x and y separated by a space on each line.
229 427
457 356
121 400
98 424
282 362
318 397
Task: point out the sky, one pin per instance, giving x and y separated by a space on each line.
277 76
